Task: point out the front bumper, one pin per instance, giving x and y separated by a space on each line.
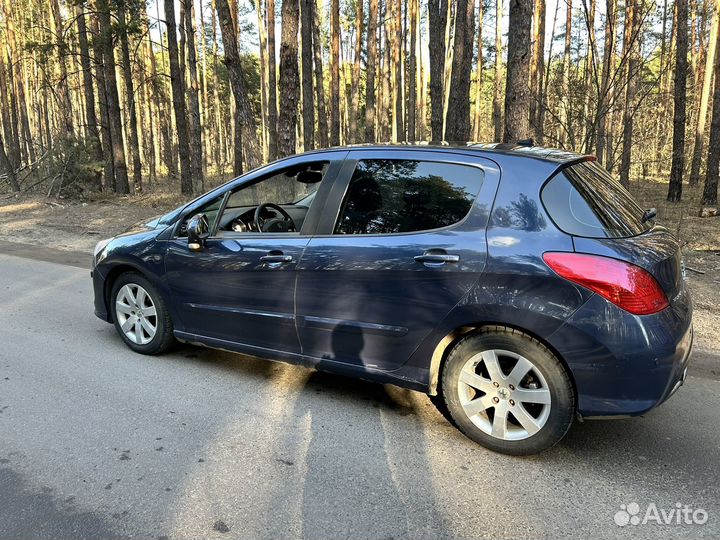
101 310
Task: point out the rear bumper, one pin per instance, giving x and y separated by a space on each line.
623 364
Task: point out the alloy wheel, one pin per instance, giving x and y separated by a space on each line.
136 314
504 394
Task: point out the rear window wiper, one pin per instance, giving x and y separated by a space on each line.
648 214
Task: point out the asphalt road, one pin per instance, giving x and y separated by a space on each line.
99 442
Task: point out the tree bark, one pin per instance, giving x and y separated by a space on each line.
517 93
630 52
64 90
193 93
246 150
130 102
412 70
105 131
497 83
705 98
397 63
7 168
335 72
308 109
679 113
178 96
370 72
322 132
565 116
437 17
608 53
710 189
457 123
113 101
289 79
272 83
93 135
537 100
355 107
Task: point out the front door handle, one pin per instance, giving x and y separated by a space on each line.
437 258
276 258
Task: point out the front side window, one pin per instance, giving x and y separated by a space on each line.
400 196
210 209
282 201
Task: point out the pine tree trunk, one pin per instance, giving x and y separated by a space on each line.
497 83
335 72
457 123
289 79
517 93
537 100
477 113
712 51
178 97
62 83
89 93
385 71
130 102
262 37
397 63
371 68
679 113
437 13
193 93
565 116
105 131
322 132
412 70
355 105
7 168
246 150
710 190
272 82
630 52
308 108
603 102
113 100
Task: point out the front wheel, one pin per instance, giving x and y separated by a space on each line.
140 315
508 392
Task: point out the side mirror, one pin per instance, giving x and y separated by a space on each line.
198 230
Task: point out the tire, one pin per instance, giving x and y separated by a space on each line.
511 374
125 292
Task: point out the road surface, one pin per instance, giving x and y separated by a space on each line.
99 442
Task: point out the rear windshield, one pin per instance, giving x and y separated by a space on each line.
584 200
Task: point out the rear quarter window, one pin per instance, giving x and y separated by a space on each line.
585 200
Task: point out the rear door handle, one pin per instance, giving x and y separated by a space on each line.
276 258
437 258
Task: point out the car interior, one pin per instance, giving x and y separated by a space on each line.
275 204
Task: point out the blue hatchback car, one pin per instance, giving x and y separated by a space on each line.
520 287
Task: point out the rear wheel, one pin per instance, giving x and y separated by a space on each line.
140 315
508 392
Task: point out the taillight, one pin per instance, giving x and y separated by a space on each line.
624 284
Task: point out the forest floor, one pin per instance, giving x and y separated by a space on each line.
77 225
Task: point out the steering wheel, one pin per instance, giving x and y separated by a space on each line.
275 224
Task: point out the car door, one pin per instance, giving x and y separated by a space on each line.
400 242
240 287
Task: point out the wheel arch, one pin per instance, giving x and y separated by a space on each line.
446 344
112 276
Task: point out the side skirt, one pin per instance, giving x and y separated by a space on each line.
398 377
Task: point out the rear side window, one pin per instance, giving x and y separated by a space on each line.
399 196
584 200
